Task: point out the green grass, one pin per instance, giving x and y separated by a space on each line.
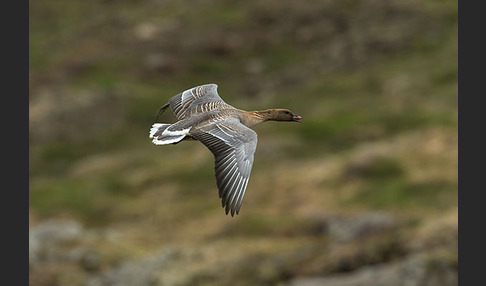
363 76
399 194
73 196
409 88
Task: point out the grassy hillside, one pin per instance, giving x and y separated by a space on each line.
376 84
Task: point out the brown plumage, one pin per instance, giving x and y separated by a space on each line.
202 115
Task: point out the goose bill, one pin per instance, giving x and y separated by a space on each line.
296 117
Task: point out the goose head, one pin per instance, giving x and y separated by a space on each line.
282 114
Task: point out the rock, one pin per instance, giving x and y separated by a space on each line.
60 253
47 237
347 229
134 273
413 271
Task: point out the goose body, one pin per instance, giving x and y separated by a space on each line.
202 115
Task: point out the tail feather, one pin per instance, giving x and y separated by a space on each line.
160 138
157 129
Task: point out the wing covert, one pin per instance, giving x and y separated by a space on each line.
198 99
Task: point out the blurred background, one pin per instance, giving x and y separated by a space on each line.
362 192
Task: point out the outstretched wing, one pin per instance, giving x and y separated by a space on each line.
198 99
233 146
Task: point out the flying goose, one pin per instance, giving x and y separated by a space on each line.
202 115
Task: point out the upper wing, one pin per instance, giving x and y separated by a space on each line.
201 98
233 146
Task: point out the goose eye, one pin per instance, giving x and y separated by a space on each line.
286 112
